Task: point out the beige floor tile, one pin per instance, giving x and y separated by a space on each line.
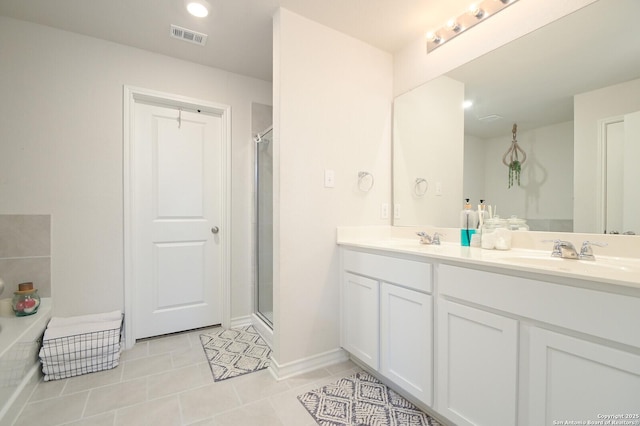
205 370
290 411
58 410
116 396
306 378
145 366
139 350
259 413
342 366
93 380
175 342
175 381
205 422
105 419
188 356
207 401
45 390
254 386
158 412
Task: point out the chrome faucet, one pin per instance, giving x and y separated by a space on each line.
427 239
564 249
586 252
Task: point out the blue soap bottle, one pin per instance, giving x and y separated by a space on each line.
468 224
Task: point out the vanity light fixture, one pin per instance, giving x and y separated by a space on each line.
477 13
433 38
198 8
452 25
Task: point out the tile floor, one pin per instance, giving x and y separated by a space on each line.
167 381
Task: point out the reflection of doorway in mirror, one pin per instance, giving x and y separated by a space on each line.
619 152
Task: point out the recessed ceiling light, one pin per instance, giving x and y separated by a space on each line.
199 8
467 104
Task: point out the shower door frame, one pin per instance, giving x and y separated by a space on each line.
268 322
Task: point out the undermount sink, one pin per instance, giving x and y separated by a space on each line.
599 266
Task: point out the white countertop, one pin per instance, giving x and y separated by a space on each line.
618 271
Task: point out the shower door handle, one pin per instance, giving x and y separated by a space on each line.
215 230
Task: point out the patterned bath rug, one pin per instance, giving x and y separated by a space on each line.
361 399
235 352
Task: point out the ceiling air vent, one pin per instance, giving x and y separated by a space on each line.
491 117
188 35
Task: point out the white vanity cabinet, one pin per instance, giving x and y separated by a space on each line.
477 365
573 352
406 339
360 330
387 318
572 378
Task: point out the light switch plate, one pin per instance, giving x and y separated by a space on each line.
329 178
384 211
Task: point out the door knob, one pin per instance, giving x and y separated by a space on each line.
215 230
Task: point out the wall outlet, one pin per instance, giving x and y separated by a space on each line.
329 178
396 211
384 211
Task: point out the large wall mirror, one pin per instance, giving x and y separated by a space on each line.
573 88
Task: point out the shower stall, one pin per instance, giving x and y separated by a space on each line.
264 226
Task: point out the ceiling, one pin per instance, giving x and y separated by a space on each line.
533 80
239 31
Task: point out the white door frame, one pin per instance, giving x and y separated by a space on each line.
131 95
601 171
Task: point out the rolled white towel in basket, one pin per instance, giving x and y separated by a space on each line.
84 319
76 368
75 329
78 345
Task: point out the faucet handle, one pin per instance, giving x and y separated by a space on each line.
586 252
556 252
424 237
436 238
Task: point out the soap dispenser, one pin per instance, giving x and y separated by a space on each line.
468 224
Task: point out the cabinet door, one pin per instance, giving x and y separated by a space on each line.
360 320
477 366
406 335
574 379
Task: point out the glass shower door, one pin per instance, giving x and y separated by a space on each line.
264 226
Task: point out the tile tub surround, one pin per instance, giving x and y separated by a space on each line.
166 380
25 252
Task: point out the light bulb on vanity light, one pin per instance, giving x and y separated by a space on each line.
452 25
433 37
476 11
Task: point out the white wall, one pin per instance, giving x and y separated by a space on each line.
428 143
474 170
332 110
62 145
546 186
588 108
412 65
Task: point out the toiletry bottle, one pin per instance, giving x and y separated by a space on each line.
483 214
468 224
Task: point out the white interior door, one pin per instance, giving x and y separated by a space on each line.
176 217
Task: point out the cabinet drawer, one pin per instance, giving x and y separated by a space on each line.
607 315
407 273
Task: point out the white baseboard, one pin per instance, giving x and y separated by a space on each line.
290 369
240 321
263 330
